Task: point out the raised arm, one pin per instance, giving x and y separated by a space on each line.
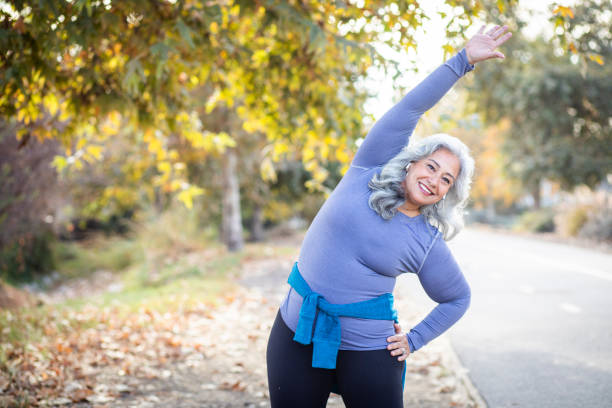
444 283
391 132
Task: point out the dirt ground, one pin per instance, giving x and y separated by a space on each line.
231 372
210 357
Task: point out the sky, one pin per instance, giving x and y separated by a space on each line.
429 54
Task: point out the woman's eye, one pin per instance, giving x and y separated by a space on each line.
430 167
446 181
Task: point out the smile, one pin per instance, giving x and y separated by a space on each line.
425 189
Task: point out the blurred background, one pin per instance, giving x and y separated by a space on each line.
149 149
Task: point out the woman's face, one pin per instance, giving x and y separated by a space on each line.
430 178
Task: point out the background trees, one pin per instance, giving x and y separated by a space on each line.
205 101
557 105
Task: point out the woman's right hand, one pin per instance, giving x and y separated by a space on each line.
482 46
398 344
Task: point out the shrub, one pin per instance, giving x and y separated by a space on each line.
598 226
571 221
536 221
27 256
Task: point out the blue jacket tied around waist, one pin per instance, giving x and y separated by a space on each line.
319 323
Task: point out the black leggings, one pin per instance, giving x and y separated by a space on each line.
364 378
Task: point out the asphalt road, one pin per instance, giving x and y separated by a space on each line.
539 330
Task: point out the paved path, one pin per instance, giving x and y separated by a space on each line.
539 331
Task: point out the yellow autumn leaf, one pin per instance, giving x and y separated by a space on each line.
280 149
324 151
320 174
95 151
51 103
564 11
267 171
155 146
260 57
214 27
164 167
21 115
342 156
597 58
182 117
59 162
186 196
500 6
308 154
175 185
223 140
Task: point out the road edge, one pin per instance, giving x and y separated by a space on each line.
461 374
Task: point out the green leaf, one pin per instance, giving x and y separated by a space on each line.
160 50
185 32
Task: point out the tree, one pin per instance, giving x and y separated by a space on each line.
557 105
286 70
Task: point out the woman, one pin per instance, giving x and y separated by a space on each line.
390 214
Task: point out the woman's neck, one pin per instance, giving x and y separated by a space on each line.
411 212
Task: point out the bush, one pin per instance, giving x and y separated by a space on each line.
81 258
536 221
570 222
598 226
27 256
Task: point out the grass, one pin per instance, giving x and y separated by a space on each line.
82 259
166 264
165 269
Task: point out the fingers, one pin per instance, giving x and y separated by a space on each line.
481 30
398 344
502 39
401 352
491 32
497 31
398 349
397 339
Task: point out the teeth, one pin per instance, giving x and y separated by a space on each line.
425 188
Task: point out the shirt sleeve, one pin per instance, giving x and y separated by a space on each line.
444 283
391 132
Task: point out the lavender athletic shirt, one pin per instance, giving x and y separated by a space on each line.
351 254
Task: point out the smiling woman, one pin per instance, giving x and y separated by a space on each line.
431 177
390 215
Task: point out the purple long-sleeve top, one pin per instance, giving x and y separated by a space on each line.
351 254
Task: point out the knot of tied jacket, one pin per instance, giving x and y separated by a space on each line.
319 321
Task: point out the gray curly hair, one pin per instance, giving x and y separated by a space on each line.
447 215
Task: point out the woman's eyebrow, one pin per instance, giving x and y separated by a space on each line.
438 164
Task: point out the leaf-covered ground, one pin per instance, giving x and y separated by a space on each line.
197 354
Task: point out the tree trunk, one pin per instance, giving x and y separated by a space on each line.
490 213
231 228
536 193
257 231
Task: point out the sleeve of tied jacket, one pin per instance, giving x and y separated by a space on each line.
390 133
444 283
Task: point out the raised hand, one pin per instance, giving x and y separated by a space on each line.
482 46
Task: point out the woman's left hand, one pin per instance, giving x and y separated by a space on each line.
482 46
398 344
